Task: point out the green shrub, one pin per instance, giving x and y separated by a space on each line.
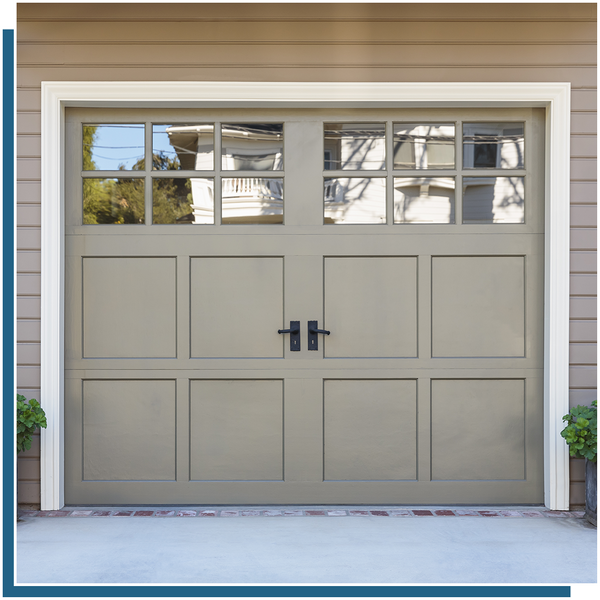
581 432
30 416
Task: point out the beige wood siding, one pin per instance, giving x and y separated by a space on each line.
318 42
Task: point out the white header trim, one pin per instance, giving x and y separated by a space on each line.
555 97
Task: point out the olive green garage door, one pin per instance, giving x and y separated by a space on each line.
203 247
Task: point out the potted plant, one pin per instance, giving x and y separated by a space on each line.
581 435
30 416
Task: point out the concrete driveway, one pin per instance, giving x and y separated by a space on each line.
357 549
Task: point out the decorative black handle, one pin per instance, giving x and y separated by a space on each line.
323 331
294 332
313 334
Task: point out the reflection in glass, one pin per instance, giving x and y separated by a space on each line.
113 201
252 147
424 199
493 200
183 147
423 146
179 201
357 146
117 147
493 145
251 200
349 200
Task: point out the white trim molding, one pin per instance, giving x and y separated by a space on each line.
554 97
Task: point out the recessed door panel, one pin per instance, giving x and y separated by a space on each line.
129 307
478 306
477 429
236 307
236 430
370 430
371 307
128 430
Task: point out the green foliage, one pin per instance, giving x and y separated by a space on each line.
30 416
581 432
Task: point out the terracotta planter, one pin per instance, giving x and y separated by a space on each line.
591 492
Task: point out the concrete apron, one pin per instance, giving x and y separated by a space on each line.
331 548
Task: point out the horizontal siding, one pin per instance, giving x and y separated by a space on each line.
584 146
584 239
310 42
29 192
29 238
583 397
578 76
422 55
583 262
583 377
583 354
361 12
28 331
584 192
583 284
288 33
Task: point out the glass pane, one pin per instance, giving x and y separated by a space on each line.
252 147
493 145
423 146
354 200
251 200
113 201
356 146
118 147
424 199
493 200
179 201
183 147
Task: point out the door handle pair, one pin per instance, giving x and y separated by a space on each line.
313 335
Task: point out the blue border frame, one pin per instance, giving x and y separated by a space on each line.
8 303
9 496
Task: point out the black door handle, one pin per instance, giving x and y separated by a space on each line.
313 334
294 332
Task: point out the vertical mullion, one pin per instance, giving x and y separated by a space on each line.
218 201
148 173
389 154
458 158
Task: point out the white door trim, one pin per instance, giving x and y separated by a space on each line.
555 97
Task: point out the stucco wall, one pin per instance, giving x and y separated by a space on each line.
318 42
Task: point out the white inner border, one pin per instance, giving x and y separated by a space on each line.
555 97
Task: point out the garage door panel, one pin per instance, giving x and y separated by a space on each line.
236 430
129 307
370 430
478 306
478 429
128 430
371 307
236 307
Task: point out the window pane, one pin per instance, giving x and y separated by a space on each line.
180 201
251 200
493 200
118 147
424 199
423 146
183 147
493 145
252 147
349 200
113 201
356 146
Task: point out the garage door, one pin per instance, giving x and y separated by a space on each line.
310 306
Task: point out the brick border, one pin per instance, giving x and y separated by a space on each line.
173 512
